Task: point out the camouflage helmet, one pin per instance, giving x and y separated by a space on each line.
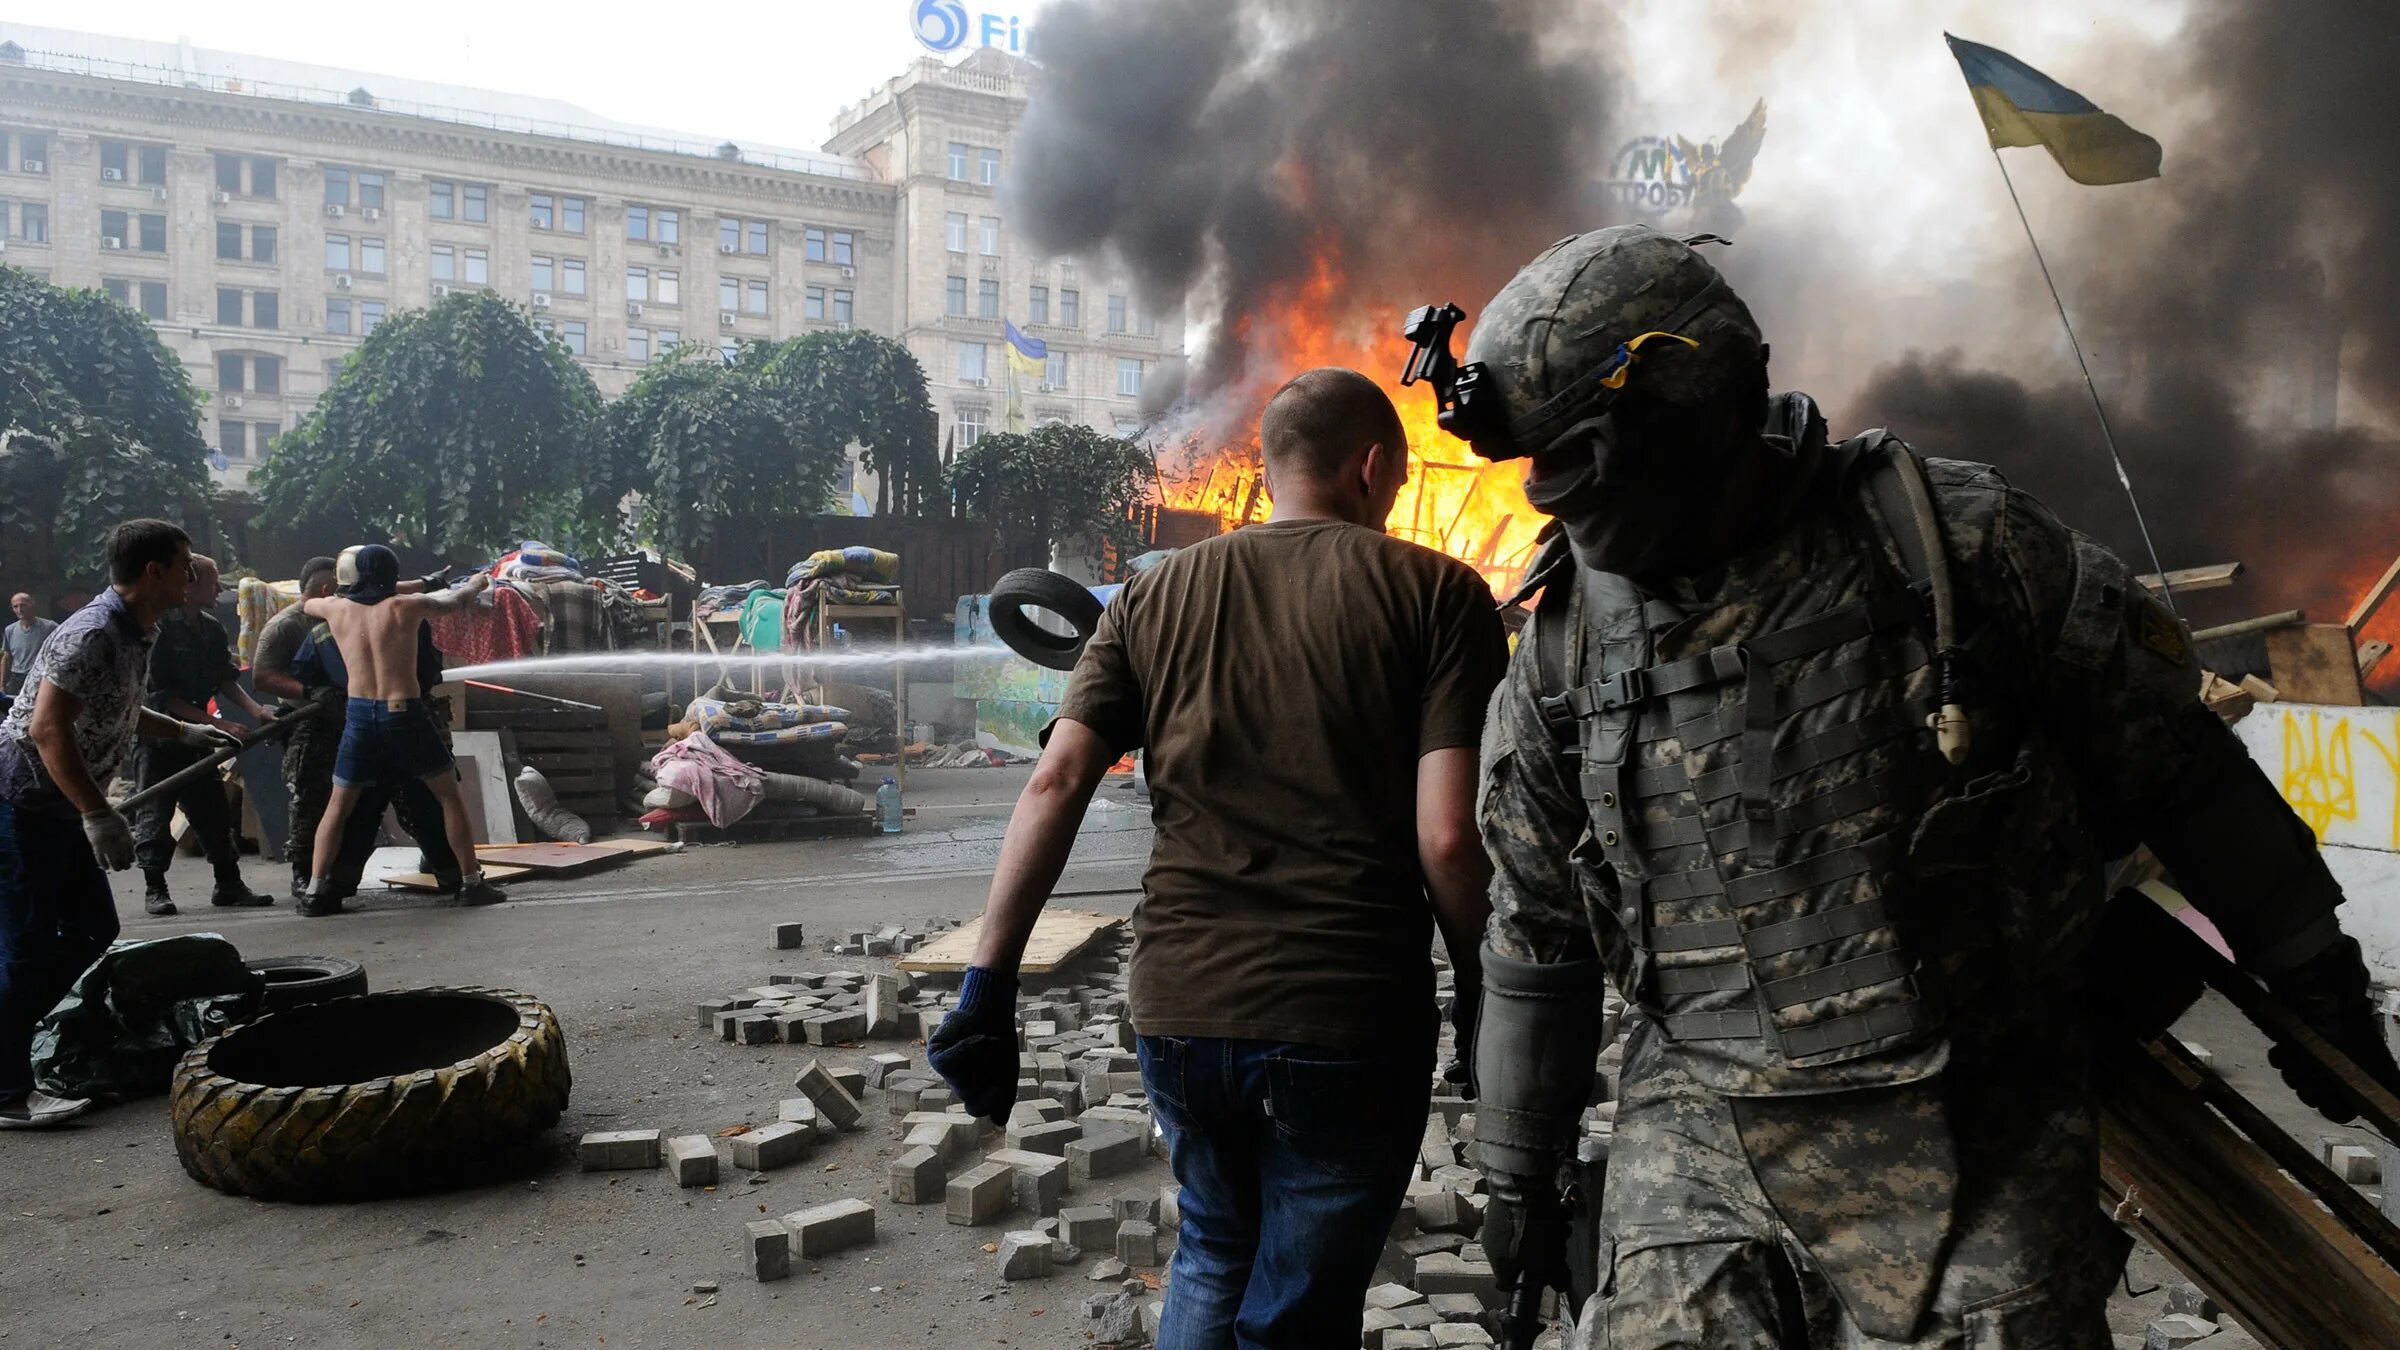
1626 309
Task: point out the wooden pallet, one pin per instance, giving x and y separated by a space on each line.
1059 937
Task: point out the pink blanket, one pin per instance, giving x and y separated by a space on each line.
725 787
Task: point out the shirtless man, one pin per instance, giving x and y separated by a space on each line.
388 732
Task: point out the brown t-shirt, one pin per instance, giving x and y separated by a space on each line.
1284 680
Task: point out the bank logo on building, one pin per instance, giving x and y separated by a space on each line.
1658 175
944 26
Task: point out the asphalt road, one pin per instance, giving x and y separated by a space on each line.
105 1242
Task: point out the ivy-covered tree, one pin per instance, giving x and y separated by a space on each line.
856 386
459 428
1057 482
705 441
98 421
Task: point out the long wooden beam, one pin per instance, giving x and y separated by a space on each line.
2375 596
2207 578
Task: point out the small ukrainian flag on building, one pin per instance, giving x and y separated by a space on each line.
2022 106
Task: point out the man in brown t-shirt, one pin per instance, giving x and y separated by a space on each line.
1310 693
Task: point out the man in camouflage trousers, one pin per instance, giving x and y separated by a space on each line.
1818 753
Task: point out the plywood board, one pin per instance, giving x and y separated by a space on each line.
1059 936
632 848
395 866
552 859
423 881
2315 663
483 781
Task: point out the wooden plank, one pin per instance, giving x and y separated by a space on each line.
633 848
423 881
2375 596
2224 1215
1059 936
2182 579
2315 663
552 859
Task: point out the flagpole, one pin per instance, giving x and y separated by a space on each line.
2165 590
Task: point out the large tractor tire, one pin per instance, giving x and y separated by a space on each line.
1041 588
295 980
382 1094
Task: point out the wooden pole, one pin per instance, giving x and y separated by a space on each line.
2375 596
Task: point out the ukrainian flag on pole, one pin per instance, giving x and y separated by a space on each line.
2022 106
1028 357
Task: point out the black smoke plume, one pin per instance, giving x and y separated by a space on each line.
2263 263
1226 149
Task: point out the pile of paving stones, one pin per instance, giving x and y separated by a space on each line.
2191 1318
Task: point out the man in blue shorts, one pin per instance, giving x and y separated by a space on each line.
388 731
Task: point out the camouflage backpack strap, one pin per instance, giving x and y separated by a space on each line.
1900 509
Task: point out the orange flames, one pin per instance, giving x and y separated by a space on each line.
1454 502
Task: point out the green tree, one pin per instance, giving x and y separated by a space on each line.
460 428
98 422
857 387
704 441
1055 483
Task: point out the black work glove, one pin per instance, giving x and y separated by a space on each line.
2328 991
975 1047
439 578
1466 1000
1524 1233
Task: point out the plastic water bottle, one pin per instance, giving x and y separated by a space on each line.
887 806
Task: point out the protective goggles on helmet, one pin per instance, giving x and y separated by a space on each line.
1470 405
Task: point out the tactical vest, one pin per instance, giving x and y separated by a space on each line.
1754 775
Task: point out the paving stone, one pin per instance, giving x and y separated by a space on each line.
694 1157
853 1081
1137 1205
1455 1307
791 1028
1038 1179
709 1010
1137 1242
1373 1325
1408 1340
1459 1333
756 1028
917 1177
1026 1255
726 1021
1453 1273
1100 1085
2176 1330
836 1028
1464 1180
936 1098
2188 1298
979 1195
1392 1295
1446 1211
1436 1150
617 1150
2355 1164
1115 1117
1092 1226
1416 1316
1117 1319
770 1249
881 1067
883 1005
1170 1208
771 1146
838 1104
836 1225
799 1111
944 1135
1105 1155
790 935
1051 1137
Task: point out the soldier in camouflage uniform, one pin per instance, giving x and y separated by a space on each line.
1855 1106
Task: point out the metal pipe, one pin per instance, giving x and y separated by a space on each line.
274 729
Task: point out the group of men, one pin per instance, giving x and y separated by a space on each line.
1816 752
142 661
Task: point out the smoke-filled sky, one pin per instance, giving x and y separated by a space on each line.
1218 145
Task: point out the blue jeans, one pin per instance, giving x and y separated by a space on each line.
57 915
1293 1160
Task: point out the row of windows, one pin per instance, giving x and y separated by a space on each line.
445 200
982 160
363 255
976 365
230 237
141 231
562 275
244 372
246 175
150 297
242 440
987 233
265 307
127 162
470 265
354 187
1121 317
571 332
564 214
341 313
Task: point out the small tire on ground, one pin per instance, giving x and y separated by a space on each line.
377 1095
296 980
1040 587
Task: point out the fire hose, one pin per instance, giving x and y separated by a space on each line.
266 733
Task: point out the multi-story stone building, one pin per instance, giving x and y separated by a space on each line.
266 217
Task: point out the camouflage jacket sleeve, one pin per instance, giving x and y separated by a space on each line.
2113 674
1531 817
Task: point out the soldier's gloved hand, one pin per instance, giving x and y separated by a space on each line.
1524 1233
2329 992
111 838
975 1047
204 737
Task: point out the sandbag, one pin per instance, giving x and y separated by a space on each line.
126 1021
831 797
540 801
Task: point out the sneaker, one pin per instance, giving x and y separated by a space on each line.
235 895
155 900
38 1110
319 900
477 891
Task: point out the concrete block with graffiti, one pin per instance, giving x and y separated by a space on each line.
2340 769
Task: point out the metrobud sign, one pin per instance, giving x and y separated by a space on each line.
944 26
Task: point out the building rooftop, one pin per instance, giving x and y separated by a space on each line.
183 65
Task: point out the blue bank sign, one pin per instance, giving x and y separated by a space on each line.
944 26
